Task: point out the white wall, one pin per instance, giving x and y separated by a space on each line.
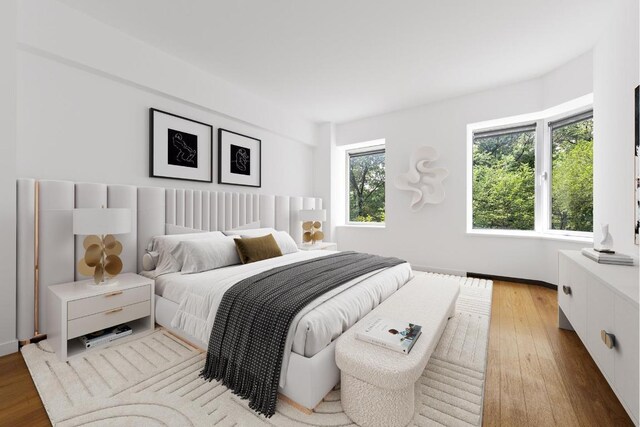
83 106
436 236
82 96
8 343
615 79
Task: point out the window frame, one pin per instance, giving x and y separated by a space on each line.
506 129
543 170
374 146
547 172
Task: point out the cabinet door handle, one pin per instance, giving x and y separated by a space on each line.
115 310
566 290
113 294
608 339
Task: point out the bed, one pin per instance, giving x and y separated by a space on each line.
311 371
186 305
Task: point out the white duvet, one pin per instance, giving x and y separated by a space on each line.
314 328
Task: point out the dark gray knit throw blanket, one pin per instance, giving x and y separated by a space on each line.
250 330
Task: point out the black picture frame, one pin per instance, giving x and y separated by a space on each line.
152 142
221 141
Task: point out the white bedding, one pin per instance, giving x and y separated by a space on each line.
315 327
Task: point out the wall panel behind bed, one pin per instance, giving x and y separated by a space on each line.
151 208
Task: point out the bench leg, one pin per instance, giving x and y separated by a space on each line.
371 406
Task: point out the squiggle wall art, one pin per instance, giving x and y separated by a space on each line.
423 180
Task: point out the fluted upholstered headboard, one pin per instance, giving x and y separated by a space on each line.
59 250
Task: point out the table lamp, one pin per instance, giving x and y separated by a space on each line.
312 222
102 250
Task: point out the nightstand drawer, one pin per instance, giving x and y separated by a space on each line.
105 319
99 303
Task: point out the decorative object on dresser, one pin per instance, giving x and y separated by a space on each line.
76 309
312 224
239 159
600 302
606 240
423 180
102 249
327 246
179 148
608 257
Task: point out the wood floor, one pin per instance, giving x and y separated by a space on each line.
538 375
20 404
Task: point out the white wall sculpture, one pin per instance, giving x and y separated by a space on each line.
423 180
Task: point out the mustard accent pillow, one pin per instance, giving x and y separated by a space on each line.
257 248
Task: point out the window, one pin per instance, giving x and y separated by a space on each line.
572 173
504 179
366 185
534 177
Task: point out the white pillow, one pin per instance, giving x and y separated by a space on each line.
253 232
207 254
286 242
164 245
170 229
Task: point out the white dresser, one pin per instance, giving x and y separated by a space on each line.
600 302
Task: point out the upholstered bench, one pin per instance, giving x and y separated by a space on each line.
378 384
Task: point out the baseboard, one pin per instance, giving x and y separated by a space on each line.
8 347
514 279
439 270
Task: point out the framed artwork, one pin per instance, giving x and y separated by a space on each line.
637 167
239 159
179 148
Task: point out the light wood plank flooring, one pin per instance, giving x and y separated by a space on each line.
20 404
538 375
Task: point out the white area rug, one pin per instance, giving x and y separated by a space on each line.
153 381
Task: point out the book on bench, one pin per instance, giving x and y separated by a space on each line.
392 334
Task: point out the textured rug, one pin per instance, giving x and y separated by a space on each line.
153 381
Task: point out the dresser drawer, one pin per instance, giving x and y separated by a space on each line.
99 303
626 353
572 295
600 307
106 319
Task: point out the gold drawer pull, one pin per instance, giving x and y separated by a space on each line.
113 294
608 339
115 310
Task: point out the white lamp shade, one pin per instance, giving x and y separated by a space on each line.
313 215
101 221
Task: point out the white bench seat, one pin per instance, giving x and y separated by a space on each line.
377 384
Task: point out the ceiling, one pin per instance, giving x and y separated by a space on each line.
339 60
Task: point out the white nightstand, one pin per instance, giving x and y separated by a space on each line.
78 308
327 246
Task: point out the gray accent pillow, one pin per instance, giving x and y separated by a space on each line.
207 254
150 260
